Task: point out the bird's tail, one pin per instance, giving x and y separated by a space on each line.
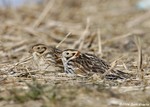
117 74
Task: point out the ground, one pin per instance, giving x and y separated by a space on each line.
115 30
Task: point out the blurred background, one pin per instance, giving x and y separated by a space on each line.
25 22
17 3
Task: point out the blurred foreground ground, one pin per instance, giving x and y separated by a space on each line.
119 23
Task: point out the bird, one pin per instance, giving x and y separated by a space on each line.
76 62
46 57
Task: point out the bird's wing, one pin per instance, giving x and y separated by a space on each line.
79 68
92 63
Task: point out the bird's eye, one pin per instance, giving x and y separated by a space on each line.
38 47
67 53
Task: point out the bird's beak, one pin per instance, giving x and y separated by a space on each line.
77 54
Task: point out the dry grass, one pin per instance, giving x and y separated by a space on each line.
103 27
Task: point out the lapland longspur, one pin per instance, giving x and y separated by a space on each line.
46 56
76 62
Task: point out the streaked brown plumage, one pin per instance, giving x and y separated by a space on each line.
84 63
53 55
46 56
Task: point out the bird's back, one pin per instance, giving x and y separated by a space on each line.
93 64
